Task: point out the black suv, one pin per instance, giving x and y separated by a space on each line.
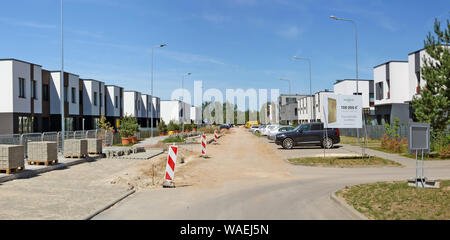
309 134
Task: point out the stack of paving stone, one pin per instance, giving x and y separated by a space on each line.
42 152
11 157
75 148
95 146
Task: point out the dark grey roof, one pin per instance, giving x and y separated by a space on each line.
13 59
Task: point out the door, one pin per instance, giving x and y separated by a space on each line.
303 134
316 132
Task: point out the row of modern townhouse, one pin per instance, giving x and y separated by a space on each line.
386 97
30 101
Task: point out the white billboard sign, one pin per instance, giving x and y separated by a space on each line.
342 111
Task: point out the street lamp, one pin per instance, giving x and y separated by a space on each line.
310 81
356 47
289 81
61 79
151 109
182 88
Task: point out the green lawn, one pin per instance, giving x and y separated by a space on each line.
344 161
173 140
398 201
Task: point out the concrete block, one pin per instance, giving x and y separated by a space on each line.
95 146
11 156
42 151
75 148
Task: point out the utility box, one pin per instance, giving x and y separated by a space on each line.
75 148
11 158
42 153
95 146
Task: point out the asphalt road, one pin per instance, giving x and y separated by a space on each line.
246 178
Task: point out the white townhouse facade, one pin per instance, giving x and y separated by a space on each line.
306 109
415 64
146 103
175 110
392 92
318 105
133 105
20 96
156 117
196 115
114 104
93 102
73 93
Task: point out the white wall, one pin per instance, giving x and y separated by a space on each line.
156 105
196 115
7 90
55 95
89 88
318 104
348 87
305 108
111 94
399 88
132 104
170 111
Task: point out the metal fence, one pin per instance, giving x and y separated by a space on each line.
24 139
374 132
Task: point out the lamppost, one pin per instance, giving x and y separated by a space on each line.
289 81
310 83
61 79
182 88
356 47
151 109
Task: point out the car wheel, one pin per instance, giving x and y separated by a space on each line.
327 143
288 143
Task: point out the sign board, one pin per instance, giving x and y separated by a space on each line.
419 137
342 111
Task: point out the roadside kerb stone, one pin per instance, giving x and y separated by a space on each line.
347 207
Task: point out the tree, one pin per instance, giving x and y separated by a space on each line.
104 124
433 104
128 126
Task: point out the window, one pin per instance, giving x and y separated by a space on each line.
26 124
33 89
317 127
379 91
291 100
296 112
95 98
22 87
45 94
372 99
74 92
116 101
68 124
101 100
66 97
305 128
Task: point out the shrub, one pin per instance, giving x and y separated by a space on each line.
105 125
162 127
208 129
173 126
128 126
445 152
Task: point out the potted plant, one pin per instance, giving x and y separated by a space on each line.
162 128
128 128
173 127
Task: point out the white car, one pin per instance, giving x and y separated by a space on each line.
278 130
267 130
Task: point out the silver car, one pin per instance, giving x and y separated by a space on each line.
280 129
266 131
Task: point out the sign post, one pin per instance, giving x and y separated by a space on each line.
419 141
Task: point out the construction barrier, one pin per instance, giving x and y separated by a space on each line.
170 168
204 145
216 136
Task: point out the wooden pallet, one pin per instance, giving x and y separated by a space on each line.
94 153
12 170
74 157
45 163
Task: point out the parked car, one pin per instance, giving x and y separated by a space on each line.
260 129
280 129
253 128
268 129
309 134
225 126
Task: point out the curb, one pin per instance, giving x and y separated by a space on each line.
33 173
347 207
109 205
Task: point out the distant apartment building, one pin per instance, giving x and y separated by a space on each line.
366 89
21 97
175 110
93 102
196 115
318 105
392 92
288 108
306 112
114 104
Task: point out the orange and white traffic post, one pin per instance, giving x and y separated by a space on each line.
216 136
170 168
204 143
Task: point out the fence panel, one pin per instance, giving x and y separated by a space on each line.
29 137
10 139
374 132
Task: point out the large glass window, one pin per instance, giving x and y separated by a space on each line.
74 93
68 124
66 97
33 89
26 124
95 98
379 91
116 101
45 93
22 87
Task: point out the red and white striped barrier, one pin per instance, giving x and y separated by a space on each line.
171 162
204 143
216 136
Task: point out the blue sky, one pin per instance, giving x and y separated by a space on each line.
225 43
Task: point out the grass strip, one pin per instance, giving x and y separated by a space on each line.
344 161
